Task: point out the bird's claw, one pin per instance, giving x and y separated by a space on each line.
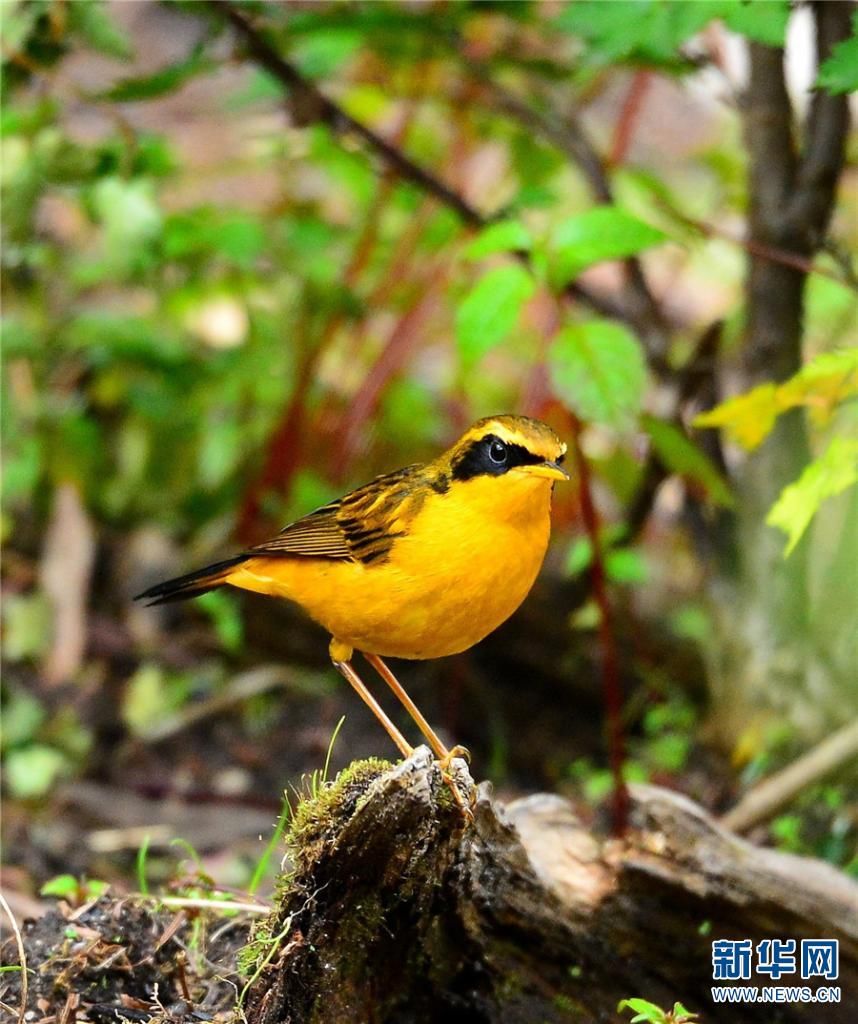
451 783
453 752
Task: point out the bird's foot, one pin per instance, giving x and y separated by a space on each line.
464 803
453 752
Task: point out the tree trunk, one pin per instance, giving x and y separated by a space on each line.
399 909
763 654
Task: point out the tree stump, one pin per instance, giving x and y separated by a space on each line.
400 910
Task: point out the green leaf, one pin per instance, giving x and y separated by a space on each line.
31 771
829 475
22 716
580 556
645 1010
603 233
490 310
505 236
322 53
678 454
61 885
625 566
201 232
651 32
129 212
764 21
669 753
598 369
92 20
637 31
226 618
147 87
27 625
145 699
839 72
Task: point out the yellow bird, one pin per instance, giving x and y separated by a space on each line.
419 563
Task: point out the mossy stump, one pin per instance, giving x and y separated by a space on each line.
400 910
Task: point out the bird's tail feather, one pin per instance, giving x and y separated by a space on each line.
193 584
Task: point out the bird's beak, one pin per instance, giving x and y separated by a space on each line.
549 470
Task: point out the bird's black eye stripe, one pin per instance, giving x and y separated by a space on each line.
491 456
560 459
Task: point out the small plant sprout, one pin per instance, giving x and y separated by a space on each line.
652 1014
75 891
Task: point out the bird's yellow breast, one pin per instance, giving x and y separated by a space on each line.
464 564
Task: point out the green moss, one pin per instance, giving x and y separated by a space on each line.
315 822
318 818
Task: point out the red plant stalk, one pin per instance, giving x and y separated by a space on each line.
607 638
401 344
628 119
284 450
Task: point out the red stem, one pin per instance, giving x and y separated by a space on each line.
627 121
607 640
402 341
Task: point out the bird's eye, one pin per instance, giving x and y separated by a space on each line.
498 452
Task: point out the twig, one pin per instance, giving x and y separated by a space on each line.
22 958
203 904
316 106
765 799
772 253
629 113
607 639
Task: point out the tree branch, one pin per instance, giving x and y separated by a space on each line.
824 148
315 106
766 799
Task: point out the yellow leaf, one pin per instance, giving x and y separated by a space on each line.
822 385
748 419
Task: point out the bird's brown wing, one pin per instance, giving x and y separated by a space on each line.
360 527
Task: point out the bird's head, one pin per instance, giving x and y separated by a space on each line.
517 447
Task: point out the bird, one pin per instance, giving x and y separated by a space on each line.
418 564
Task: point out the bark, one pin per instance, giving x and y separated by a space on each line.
398 909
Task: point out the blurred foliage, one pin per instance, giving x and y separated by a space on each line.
822 386
660 750
840 72
212 326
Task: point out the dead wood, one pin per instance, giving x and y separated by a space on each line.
398 910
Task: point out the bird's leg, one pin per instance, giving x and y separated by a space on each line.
444 755
346 670
441 752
